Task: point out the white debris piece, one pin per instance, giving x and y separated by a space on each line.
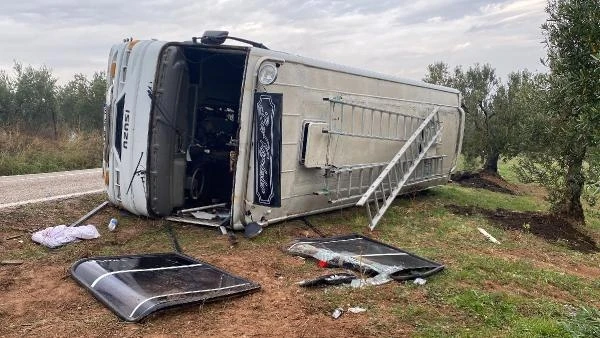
490 237
337 313
356 309
419 281
56 236
204 215
380 279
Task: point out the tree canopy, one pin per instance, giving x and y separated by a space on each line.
568 125
33 102
495 112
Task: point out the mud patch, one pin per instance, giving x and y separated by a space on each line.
483 180
549 227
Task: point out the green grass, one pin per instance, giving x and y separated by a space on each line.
488 199
27 154
525 287
480 294
506 169
584 323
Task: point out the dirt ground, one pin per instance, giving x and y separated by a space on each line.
549 227
40 298
484 180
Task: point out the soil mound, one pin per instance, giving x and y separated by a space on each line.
483 180
549 227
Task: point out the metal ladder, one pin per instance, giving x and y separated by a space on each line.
382 192
351 182
361 120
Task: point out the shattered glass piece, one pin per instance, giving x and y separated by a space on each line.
379 279
380 262
135 286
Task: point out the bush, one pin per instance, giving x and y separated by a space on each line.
21 153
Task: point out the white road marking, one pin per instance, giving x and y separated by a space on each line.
15 178
52 198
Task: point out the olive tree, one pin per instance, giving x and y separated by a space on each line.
493 111
81 101
568 127
35 99
6 98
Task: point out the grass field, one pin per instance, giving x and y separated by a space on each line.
524 287
29 154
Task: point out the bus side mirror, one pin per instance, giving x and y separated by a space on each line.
213 37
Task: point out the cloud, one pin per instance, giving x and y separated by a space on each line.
461 46
389 36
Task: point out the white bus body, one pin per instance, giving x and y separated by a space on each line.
189 125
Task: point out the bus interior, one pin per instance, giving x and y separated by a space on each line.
194 129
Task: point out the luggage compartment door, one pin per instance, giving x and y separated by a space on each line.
314 145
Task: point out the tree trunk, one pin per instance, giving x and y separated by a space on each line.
570 204
54 125
491 163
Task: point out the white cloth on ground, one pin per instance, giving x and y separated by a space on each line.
53 237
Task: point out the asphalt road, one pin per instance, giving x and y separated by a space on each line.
24 189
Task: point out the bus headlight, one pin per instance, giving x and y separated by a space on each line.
267 73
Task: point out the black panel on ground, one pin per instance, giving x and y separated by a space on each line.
366 255
135 286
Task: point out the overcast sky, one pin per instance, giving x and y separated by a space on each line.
390 36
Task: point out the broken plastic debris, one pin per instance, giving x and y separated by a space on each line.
333 279
222 213
337 313
380 279
378 262
356 309
489 237
322 264
204 215
420 281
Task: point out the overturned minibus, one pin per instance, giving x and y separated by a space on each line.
218 134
